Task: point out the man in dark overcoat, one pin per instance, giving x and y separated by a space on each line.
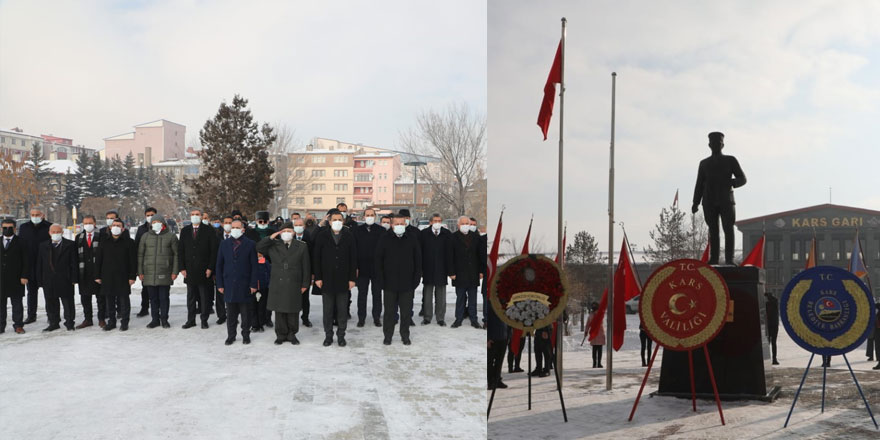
57 270
436 243
13 275
87 244
117 271
367 237
335 268
290 278
398 270
237 280
197 253
466 271
33 234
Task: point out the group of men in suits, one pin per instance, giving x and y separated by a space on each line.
246 273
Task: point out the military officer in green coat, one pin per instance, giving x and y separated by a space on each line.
291 275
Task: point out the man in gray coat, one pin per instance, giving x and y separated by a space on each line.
157 268
291 275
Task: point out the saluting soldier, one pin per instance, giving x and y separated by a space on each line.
290 278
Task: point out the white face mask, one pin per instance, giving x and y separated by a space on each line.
227 227
236 232
157 227
115 230
56 237
407 222
464 228
336 225
473 228
36 220
110 221
149 218
286 236
299 229
386 226
344 214
370 220
89 227
263 226
436 226
196 220
399 229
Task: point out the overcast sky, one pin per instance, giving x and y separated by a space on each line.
353 71
794 85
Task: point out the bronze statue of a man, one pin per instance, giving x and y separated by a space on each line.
717 176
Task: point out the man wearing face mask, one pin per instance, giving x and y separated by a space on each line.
311 224
484 266
157 268
466 271
290 278
367 237
348 219
87 244
57 271
436 244
222 234
32 235
144 228
197 251
301 234
385 223
263 229
410 229
13 275
398 269
237 280
335 268
117 271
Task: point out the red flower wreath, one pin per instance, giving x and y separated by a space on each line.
529 273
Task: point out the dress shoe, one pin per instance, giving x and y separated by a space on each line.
600 366
19 330
307 323
474 324
52 327
294 341
188 324
544 373
425 322
2 330
456 324
387 341
109 327
341 342
245 340
279 341
142 313
870 359
441 323
204 324
229 341
29 320
876 367
165 324
328 342
500 384
377 323
422 312
86 323
360 323
269 323
412 323
518 370
123 327
406 341
775 362
102 323
70 327
509 369
153 324
255 329
221 321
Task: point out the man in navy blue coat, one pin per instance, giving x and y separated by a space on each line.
237 280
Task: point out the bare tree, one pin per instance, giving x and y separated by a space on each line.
457 137
279 154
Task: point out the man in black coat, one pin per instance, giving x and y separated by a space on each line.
116 272
197 253
367 237
13 275
57 270
496 344
87 244
466 270
436 243
32 235
348 219
335 268
772 306
300 233
484 270
398 269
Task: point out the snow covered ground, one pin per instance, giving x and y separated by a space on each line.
596 413
175 383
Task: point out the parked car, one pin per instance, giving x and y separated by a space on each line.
632 306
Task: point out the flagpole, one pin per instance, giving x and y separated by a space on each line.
609 313
559 200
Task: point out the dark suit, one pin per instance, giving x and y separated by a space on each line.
467 269
88 261
498 333
218 302
398 270
335 265
198 253
367 237
436 268
32 236
237 275
116 267
57 270
13 267
714 189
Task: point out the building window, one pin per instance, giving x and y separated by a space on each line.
300 159
340 159
319 159
318 187
13 141
340 200
317 200
340 187
300 201
363 177
300 187
848 249
2 139
340 173
300 173
317 173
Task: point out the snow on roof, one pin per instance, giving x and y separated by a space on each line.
61 166
156 123
120 137
326 152
375 155
176 162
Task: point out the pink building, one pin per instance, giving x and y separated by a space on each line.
150 143
374 176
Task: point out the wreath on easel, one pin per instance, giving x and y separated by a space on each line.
529 292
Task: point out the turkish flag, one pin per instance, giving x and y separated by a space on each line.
554 78
705 257
626 287
756 256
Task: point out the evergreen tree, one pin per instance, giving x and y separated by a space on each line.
37 164
584 250
115 178
83 177
670 236
98 178
72 192
236 171
130 184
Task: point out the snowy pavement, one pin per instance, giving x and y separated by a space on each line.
175 383
596 413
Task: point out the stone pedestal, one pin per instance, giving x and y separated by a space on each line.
740 354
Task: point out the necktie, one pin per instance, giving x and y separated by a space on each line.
6 243
225 236
195 230
90 239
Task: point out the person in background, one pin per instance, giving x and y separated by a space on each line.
646 343
237 280
13 275
349 220
543 352
116 272
398 267
87 244
197 254
158 266
142 229
385 222
32 235
300 234
57 271
335 268
264 272
496 343
466 272
599 340
513 360
437 266
367 238
290 279
772 306
223 234
484 268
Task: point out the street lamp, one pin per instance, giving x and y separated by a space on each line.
415 164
